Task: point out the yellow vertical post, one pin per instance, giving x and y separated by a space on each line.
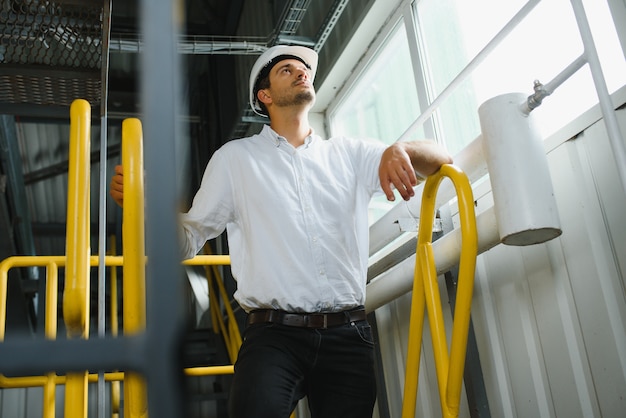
115 386
135 397
448 364
465 291
76 292
49 391
414 348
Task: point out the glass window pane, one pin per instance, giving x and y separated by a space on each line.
452 32
382 104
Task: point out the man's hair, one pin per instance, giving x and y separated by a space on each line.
262 83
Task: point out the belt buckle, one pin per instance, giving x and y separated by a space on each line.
325 316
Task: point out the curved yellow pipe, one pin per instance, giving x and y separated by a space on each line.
449 365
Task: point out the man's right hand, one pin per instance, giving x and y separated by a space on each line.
116 189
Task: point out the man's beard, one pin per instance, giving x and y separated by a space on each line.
301 98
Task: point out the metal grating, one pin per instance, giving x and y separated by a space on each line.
50 52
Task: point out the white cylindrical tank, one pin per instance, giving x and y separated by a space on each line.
524 202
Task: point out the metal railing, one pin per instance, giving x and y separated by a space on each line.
449 364
77 263
52 264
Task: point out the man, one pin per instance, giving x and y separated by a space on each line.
295 209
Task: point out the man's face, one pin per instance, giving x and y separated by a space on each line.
290 84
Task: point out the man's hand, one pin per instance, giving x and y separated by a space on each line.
116 189
396 170
401 160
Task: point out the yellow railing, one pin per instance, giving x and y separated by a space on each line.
134 272
449 365
76 292
52 265
77 263
134 285
49 381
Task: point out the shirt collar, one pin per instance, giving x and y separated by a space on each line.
278 140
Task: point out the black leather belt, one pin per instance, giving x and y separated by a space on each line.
306 320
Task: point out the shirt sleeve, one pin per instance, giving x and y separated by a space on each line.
367 154
212 207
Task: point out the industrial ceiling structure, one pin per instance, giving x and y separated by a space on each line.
53 52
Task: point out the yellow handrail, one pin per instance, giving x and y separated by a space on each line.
52 264
134 286
76 293
115 386
449 365
49 391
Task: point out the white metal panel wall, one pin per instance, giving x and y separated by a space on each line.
550 319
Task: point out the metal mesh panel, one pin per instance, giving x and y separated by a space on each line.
50 52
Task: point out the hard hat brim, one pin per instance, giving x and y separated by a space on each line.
307 55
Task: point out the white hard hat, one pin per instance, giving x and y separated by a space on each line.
267 60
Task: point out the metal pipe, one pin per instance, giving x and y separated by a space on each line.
21 356
610 119
161 64
134 284
77 285
542 91
566 73
52 294
398 280
113 312
104 88
196 45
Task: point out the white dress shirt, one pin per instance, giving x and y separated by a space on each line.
296 218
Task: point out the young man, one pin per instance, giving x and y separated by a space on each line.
295 209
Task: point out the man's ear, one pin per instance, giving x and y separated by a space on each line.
263 96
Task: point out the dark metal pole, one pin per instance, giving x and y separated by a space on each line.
160 99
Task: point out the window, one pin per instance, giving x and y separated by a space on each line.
382 103
452 32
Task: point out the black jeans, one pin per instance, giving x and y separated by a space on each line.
278 365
